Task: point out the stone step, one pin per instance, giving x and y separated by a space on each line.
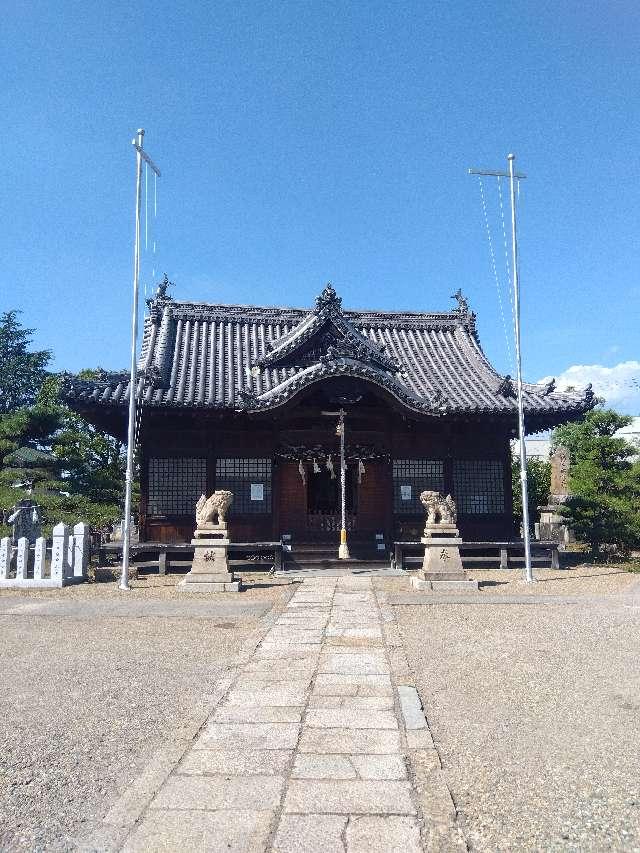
334 564
332 550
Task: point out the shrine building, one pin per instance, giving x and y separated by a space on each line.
247 399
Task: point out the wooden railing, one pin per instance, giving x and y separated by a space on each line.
489 555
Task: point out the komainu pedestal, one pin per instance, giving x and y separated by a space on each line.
210 567
442 566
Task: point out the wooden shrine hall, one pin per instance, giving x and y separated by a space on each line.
247 399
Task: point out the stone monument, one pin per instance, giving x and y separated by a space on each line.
442 565
25 521
553 525
210 567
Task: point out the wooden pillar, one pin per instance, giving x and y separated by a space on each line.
275 484
144 491
508 490
389 532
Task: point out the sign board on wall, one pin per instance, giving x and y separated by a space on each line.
405 492
257 491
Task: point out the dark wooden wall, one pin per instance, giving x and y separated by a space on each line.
201 434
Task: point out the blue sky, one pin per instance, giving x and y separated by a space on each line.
302 142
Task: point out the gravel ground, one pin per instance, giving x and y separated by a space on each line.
257 585
86 702
581 580
535 710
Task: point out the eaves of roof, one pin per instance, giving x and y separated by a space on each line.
234 358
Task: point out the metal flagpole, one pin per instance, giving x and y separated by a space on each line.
126 537
512 175
343 550
523 448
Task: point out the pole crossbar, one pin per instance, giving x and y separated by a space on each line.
494 174
146 157
513 176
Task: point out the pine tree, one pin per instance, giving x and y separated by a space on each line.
48 454
22 372
604 481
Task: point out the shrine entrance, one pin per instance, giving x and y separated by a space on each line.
323 500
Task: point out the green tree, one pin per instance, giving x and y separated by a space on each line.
93 462
539 484
72 470
47 452
29 469
21 372
25 437
604 481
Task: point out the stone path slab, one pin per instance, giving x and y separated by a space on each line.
317 745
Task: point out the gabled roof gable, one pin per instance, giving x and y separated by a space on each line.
324 335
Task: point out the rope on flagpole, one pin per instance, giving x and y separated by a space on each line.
495 272
506 254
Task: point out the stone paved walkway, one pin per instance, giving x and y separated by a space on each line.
319 745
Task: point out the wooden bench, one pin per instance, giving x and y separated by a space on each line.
504 554
164 555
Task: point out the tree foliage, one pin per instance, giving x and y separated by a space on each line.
604 481
539 484
21 372
74 471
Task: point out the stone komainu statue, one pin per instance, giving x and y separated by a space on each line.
439 510
216 504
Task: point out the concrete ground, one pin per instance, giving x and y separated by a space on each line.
269 727
535 709
94 682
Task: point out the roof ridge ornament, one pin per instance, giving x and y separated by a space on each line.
160 298
329 299
438 401
590 395
506 387
463 302
163 286
152 377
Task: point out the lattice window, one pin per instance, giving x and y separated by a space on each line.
175 484
478 486
412 476
250 482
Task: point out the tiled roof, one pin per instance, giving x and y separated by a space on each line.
249 358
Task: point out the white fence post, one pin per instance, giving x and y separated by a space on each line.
22 559
59 553
39 557
5 557
69 566
81 542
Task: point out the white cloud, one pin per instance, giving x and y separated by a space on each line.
619 385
